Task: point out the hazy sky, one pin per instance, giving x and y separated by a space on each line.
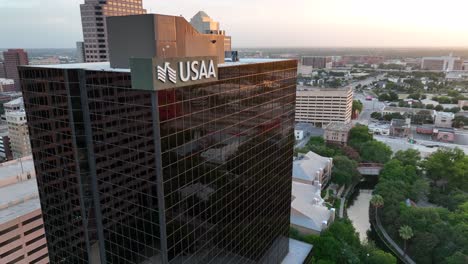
263 23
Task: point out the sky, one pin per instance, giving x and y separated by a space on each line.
263 23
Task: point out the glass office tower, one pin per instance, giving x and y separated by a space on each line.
194 174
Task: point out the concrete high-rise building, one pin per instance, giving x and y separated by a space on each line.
17 128
206 25
80 52
93 19
22 238
320 106
444 63
12 59
126 157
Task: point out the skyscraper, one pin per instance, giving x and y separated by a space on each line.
12 59
206 25
93 14
170 160
80 51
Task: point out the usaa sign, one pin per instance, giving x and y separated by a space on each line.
160 74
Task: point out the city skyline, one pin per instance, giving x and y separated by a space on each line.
319 23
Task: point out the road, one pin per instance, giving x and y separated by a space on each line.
368 107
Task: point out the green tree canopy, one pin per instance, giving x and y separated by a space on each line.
375 151
344 171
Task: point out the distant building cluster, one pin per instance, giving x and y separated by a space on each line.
444 63
9 76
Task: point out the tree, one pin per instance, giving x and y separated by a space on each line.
408 157
376 115
393 96
384 97
429 106
359 135
377 201
375 151
439 108
380 257
457 258
357 106
406 233
344 171
460 122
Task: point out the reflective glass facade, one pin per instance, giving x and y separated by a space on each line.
197 174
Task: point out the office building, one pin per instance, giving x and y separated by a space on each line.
337 133
206 25
80 52
12 59
119 154
444 119
312 169
17 128
2 70
444 63
7 85
360 59
93 20
5 146
320 106
22 238
318 62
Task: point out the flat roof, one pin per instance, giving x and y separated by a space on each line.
298 252
105 66
18 199
12 168
339 126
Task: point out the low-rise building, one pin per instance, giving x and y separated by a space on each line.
400 127
7 85
22 238
337 133
444 134
309 215
313 169
320 106
379 129
444 119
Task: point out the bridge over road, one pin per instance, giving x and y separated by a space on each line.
372 169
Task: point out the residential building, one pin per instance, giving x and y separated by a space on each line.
313 169
80 52
444 119
93 20
320 106
119 157
337 133
206 25
444 63
7 85
462 103
318 62
12 59
309 215
22 238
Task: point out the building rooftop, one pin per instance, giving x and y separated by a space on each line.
4 81
339 126
16 101
12 168
105 66
445 114
298 252
307 209
18 199
307 167
303 88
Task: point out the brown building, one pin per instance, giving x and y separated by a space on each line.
206 25
22 237
2 70
12 59
93 19
317 62
337 133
